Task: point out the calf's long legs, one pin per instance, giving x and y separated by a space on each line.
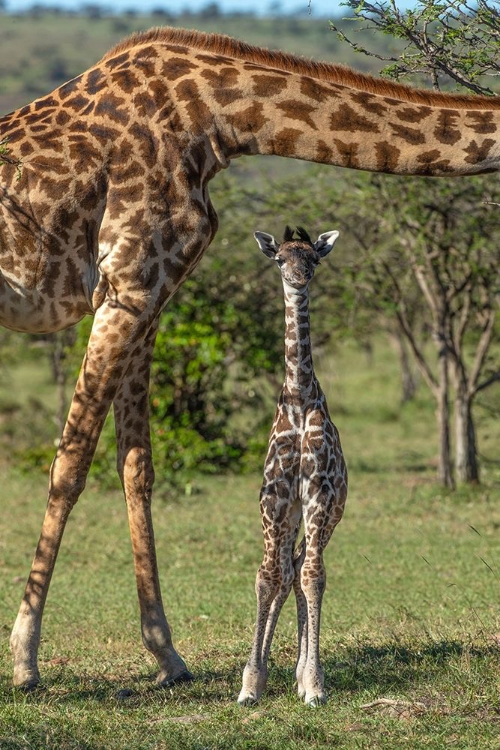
272 585
305 570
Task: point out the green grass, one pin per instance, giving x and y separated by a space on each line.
411 611
410 614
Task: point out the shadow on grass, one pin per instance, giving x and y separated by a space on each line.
396 666
381 668
68 687
362 668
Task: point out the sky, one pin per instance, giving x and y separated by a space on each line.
325 8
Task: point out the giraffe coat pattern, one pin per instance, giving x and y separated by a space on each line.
305 478
104 210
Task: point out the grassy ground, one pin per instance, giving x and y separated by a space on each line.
411 613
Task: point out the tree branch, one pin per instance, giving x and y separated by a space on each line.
481 351
486 383
417 353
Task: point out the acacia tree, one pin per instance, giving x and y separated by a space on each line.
446 230
455 262
444 40
433 265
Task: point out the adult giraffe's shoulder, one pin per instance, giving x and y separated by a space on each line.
104 210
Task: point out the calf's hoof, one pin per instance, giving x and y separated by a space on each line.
247 699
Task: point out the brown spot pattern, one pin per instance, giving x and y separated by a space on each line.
481 122
294 110
188 92
318 92
477 153
324 153
110 108
387 157
446 130
346 118
177 67
410 135
225 77
348 152
412 114
431 162
251 119
369 102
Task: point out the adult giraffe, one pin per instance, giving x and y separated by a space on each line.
104 210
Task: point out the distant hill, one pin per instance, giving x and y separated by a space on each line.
41 50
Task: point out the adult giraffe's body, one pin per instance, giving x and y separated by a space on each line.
104 209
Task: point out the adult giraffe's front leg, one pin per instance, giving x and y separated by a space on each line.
135 467
102 370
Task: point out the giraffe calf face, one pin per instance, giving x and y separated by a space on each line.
297 257
297 262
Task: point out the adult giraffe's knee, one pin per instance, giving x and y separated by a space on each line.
137 473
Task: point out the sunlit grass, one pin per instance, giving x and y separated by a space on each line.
411 613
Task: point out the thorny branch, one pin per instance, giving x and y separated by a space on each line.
449 40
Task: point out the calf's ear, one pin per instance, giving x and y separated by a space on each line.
325 242
267 244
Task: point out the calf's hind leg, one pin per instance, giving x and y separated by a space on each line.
309 586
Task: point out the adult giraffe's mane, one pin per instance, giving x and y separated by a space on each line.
219 44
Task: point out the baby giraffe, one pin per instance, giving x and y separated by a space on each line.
305 477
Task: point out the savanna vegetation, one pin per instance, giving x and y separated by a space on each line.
405 332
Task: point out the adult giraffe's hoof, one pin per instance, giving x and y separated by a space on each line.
30 686
26 679
247 699
166 682
315 700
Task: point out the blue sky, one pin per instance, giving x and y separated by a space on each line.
326 8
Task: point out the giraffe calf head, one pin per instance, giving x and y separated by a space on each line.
297 257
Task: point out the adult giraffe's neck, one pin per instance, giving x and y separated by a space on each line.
293 115
299 370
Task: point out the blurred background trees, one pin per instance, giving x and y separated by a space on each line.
445 230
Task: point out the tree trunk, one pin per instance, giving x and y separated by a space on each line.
408 381
445 469
466 463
